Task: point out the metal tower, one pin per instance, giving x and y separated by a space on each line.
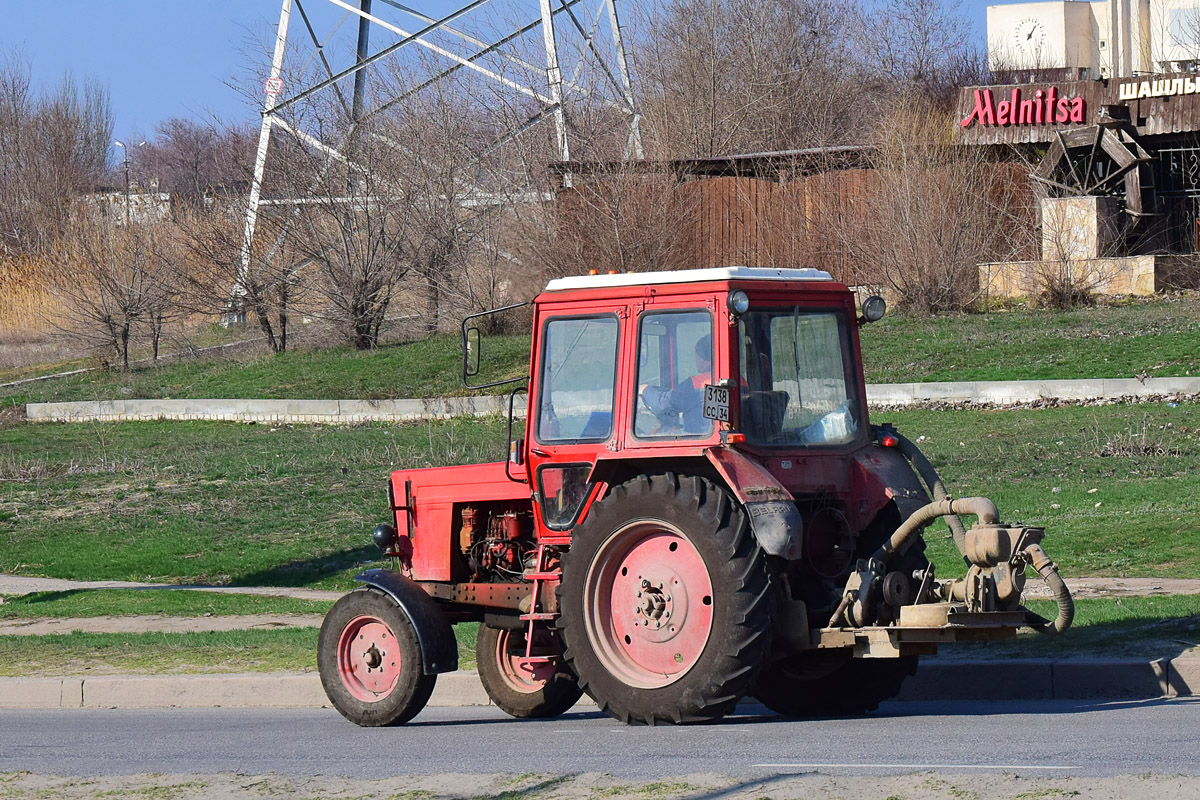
586 32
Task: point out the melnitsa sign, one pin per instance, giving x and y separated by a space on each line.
1025 107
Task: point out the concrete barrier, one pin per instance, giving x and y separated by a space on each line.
334 412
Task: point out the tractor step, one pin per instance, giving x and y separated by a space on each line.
541 615
542 576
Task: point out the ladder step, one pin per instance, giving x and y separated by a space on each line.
542 576
538 616
537 659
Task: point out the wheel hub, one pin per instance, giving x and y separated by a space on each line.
650 599
368 659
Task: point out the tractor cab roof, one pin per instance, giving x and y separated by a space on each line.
707 275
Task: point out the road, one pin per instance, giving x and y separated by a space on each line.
1059 738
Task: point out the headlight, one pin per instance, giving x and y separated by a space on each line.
738 302
384 536
873 308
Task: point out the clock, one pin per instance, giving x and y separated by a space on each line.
1029 35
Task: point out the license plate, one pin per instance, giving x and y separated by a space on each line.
716 403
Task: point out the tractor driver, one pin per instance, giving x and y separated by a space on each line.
686 398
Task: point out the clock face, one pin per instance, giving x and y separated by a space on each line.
1030 35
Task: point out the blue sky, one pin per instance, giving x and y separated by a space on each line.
165 58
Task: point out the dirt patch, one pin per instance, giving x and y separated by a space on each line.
592 786
11 416
157 623
1118 587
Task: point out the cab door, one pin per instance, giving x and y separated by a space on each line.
574 413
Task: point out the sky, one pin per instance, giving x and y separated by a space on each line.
181 58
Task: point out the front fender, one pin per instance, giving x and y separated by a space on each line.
774 518
439 649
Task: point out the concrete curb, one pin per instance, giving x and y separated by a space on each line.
334 412
936 680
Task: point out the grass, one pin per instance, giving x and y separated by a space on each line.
430 368
1117 488
79 603
1155 338
1129 626
1135 627
210 502
1158 338
288 650
283 650
237 504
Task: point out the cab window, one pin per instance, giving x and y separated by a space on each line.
675 355
579 373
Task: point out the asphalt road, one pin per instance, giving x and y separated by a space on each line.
1059 738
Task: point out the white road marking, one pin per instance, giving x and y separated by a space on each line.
1013 767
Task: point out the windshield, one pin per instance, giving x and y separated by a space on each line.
795 385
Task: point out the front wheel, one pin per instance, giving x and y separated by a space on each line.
370 661
665 601
540 687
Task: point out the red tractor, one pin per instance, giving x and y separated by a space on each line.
698 511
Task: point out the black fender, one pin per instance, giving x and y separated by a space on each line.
439 648
774 518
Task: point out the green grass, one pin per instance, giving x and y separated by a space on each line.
430 368
1117 488
1134 627
1157 338
287 650
247 504
116 602
210 502
1140 627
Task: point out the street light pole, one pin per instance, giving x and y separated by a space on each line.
125 150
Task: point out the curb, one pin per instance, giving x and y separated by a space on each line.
1098 679
334 412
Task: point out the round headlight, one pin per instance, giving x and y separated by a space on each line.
738 302
384 536
873 308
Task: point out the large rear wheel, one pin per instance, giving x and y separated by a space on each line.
819 685
521 686
665 601
370 661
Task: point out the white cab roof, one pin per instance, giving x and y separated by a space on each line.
687 276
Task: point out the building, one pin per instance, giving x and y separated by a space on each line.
1103 100
1088 40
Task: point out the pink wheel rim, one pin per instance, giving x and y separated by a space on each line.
519 673
368 659
648 604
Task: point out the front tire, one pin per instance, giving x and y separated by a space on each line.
520 687
665 601
370 661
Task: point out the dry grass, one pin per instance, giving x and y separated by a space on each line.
25 301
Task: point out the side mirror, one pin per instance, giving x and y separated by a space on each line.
873 309
471 345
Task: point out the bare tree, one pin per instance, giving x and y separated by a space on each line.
727 76
110 282
193 160
53 147
935 211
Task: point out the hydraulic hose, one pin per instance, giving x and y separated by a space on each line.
978 506
934 482
1062 595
